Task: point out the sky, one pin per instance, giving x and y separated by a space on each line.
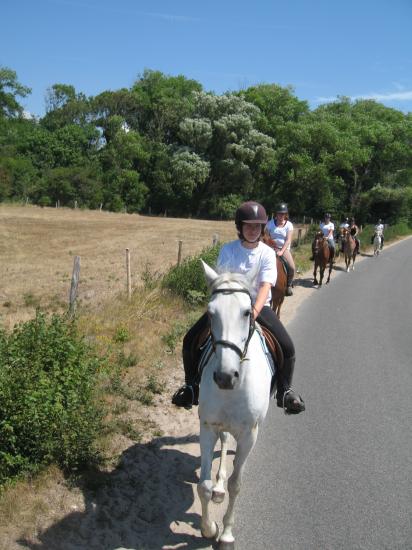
322 48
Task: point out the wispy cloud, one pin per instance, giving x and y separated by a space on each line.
174 18
405 95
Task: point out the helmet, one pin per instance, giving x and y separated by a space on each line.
346 219
282 208
327 215
379 221
250 212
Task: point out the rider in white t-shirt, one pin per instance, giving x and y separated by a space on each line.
242 256
280 231
379 227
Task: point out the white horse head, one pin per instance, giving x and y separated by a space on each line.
234 391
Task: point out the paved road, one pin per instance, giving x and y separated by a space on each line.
339 476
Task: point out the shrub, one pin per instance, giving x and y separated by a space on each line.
48 406
188 279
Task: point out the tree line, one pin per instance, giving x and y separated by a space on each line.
165 145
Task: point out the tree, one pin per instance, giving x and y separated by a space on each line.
10 88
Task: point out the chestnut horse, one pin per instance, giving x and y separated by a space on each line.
350 251
322 257
279 290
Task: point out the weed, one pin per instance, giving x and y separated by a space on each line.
121 335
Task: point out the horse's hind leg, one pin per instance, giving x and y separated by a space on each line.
244 445
219 489
208 440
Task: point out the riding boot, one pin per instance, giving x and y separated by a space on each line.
188 395
289 284
286 398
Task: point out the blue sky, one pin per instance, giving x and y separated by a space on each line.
322 48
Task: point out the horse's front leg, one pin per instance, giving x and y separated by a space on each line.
315 269
330 270
321 273
208 440
244 445
219 489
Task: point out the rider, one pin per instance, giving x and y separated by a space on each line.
280 230
354 231
343 227
327 227
241 256
379 227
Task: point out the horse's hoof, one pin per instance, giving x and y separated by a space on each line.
214 531
218 497
223 545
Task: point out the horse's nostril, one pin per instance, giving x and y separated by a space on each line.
236 374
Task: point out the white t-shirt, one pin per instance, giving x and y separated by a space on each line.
326 227
379 227
345 225
279 234
236 258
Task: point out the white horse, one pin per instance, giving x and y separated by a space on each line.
234 393
377 242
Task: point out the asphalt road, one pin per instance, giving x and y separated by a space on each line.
339 476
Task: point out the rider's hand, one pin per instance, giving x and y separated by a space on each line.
279 252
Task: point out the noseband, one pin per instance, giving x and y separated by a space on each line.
226 343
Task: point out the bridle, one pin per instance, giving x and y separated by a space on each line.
227 343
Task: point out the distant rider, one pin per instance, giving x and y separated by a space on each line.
379 228
354 231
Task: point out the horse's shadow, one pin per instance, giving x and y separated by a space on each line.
133 506
304 282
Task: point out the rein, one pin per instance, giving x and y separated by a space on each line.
227 343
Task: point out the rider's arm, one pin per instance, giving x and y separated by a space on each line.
287 243
261 298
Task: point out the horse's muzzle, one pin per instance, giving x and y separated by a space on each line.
226 381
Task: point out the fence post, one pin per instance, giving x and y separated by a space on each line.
299 235
128 272
179 253
311 221
215 239
73 286
101 206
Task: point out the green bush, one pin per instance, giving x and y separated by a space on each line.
188 279
48 407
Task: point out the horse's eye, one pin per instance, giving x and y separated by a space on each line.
247 313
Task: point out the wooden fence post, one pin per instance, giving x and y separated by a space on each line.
215 239
299 235
129 278
73 286
304 219
179 253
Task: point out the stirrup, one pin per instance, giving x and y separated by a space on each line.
286 402
184 397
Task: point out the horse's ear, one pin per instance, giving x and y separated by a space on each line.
210 273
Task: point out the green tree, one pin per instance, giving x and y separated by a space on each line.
10 89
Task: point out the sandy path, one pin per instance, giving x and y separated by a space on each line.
149 500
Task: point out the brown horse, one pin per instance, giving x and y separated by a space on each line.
279 290
322 256
350 250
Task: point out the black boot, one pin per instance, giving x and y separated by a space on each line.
286 398
188 394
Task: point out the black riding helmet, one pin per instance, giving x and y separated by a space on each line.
250 212
282 208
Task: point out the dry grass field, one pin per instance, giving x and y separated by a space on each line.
37 247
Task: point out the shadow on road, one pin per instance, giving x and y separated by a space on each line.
133 506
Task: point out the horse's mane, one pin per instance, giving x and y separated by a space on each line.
228 277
